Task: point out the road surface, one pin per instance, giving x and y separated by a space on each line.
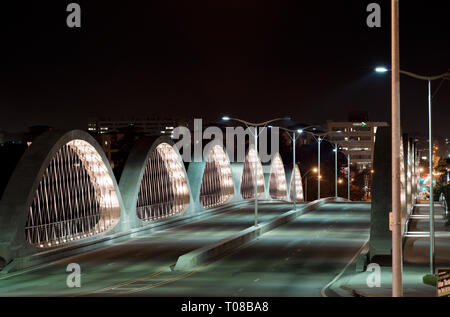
134 258
297 259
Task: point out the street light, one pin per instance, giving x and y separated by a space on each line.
429 79
294 140
381 70
336 149
255 126
319 138
314 170
348 175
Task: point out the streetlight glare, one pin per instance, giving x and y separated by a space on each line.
315 170
381 69
300 131
225 118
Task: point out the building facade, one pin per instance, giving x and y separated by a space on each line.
148 125
356 139
115 135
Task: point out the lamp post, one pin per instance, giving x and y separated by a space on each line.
294 140
429 79
319 142
348 175
335 150
255 126
306 181
335 172
294 169
319 138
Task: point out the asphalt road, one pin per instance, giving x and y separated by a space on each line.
297 259
133 259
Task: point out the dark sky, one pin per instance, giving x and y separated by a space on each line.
311 60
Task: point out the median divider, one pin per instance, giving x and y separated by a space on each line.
20 265
214 251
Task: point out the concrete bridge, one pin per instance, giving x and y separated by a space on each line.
63 200
63 193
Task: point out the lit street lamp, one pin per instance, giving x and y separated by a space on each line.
319 138
314 170
255 126
429 79
348 175
294 140
336 149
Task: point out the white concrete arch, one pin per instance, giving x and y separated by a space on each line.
154 183
61 192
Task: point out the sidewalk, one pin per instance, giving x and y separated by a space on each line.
355 284
416 262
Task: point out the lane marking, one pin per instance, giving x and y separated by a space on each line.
187 274
113 287
174 279
151 234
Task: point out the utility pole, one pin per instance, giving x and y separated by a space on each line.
397 261
335 170
430 161
348 176
294 195
319 141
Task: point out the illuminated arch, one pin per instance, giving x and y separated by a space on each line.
75 198
217 186
164 190
277 180
248 176
62 190
153 183
298 185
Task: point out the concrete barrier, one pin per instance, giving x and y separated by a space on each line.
46 257
209 253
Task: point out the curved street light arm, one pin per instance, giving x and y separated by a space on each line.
311 170
444 76
247 123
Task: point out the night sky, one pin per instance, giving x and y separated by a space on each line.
255 60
